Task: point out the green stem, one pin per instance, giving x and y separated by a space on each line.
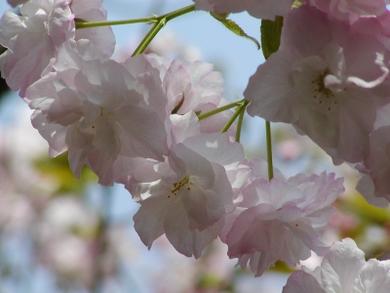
179 12
240 122
160 22
149 37
234 117
269 150
80 24
88 24
203 116
271 32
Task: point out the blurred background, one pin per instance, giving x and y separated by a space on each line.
63 234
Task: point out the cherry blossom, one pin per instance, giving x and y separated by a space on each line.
375 26
265 9
192 86
102 38
195 86
103 112
351 10
326 81
132 172
141 122
343 269
189 201
34 37
377 165
284 221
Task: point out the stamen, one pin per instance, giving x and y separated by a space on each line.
182 183
323 95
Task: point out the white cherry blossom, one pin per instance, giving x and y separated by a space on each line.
34 37
343 269
99 113
265 9
192 196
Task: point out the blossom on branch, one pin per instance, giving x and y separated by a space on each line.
351 10
285 220
98 113
34 37
196 87
265 9
192 196
343 269
326 80
376 170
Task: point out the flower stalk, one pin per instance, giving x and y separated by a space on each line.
158 23
203 116
81 24
268 134
240 109
161 21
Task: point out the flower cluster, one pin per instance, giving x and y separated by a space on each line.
343 269
329 79
268 9
163 129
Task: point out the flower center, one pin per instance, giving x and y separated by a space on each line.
324 96
179 185
88 125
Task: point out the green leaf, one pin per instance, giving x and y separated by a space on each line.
57 170
271 31
234 27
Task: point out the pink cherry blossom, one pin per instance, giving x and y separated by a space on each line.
265 9
192 86
377 168
133 172
350 10
101 114
325 80
375 26
195 86
284 222
102 38
189 201
343 269
34 37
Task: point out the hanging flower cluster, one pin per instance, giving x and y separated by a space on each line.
343 269
163 129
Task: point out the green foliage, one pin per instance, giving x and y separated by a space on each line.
234 27
271 32
211 282
366 212
57 169
281 267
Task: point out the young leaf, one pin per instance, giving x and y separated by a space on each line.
234 27
270 35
